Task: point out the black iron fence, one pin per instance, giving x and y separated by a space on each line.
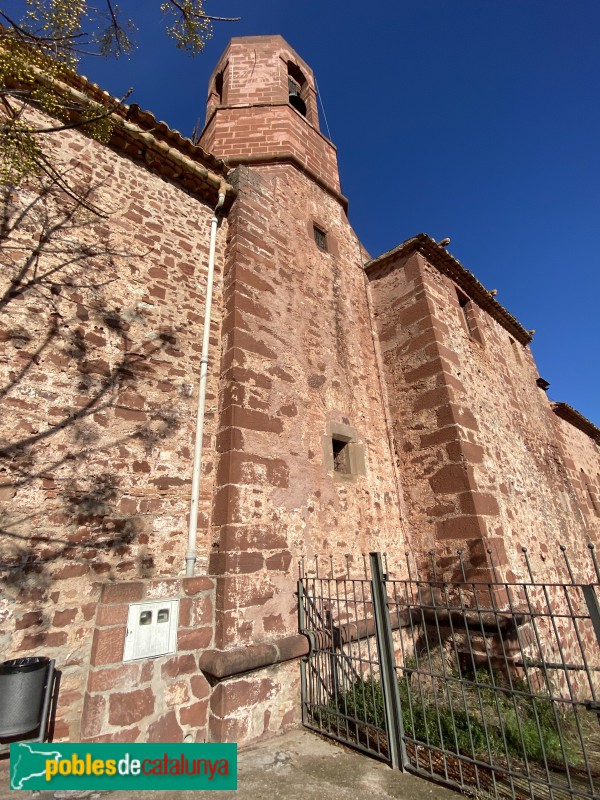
488 686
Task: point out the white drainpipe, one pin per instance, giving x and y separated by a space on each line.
190 556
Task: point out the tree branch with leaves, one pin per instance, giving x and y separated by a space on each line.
50 39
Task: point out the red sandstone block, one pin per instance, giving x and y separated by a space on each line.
44 639
290 718
228 730
238 417
434 398
465 451
126 592
273 624
128 505
96 366
453 382
448 355
93 715
233 631
281 374
425 370
226 507
239 274
192 586
441 510
279 562
249 344
422 344
179 665
128 707
66 617
62 732
448 434
246 468
200 686
249 306
195 612
232 357
236 563
69 699
112 615
229 696
415 312
453 414
498 547
289 410
147 671
195 715
257 380
478 503
291 647
107 646
69 571
194 639
234 393
465 527
451 479
105 680
236 538
169 481
237 590
29 620
165 729
123 735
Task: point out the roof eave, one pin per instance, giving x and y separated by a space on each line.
573 417
442 260
140 135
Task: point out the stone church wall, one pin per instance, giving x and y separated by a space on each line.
480 462
101 335
582 460
347 411
298 365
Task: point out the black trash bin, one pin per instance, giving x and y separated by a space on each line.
24 694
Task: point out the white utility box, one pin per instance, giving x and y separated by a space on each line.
151 629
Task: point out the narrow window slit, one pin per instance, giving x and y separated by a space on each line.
320 239
341 456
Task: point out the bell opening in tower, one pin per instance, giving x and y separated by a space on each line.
296 88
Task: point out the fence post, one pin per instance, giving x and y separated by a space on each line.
304 659
591 599
387 663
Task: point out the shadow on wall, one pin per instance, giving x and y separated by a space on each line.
75 369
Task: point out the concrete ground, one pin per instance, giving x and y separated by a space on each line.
296 766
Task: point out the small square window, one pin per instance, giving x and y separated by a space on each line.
341 456
320 239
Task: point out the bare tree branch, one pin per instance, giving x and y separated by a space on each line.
187 14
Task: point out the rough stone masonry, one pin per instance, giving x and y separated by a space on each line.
353 404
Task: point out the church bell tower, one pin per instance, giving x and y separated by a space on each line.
262 109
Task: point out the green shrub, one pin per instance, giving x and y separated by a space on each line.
479 721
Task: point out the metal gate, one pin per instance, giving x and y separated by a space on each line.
488 687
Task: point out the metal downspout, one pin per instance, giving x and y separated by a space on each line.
190 556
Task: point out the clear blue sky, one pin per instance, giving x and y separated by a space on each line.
474 119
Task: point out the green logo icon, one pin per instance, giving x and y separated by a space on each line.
123 766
